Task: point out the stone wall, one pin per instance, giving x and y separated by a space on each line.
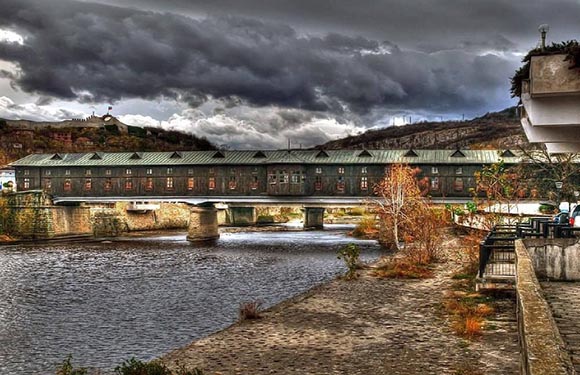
111 221
542 348
555 259
31 215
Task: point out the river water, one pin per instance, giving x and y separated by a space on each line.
143 296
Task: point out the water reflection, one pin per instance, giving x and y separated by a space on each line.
105 302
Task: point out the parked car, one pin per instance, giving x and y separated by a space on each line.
562 218
575 222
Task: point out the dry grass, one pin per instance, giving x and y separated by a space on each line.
402 268
366 228
250 310
469 312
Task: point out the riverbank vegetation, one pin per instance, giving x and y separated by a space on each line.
131 366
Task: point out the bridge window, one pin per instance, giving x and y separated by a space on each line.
88 184
434 170
108 172
67 186
317 183
169 183
128 184
340 184
88 172
47 172
190 183
48 184
66 172
459 170
340 170
169 170
255 182
295 177
318 170
27 183
149 171
458 184
364 183
232 184
363 170
108 184
435 183
149 183
128 171
211 183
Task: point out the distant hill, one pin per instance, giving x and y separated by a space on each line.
19 138
498 130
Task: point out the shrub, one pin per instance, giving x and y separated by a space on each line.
402 268
366 228
250 310
357 211
265 219
134 366
350 254
66 368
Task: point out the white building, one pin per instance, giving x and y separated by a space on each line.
551 104
7 176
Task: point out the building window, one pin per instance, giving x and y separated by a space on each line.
295 177
169 170
149 183
364 170
47 172
272 179
128 184
340 170
88 172
27 183
108 184
26 172
255 183
149 171
211 171
458 184
232 170
128 171
318 170
282 177
108 172
434 170
211 183
48 184
88 184
364 183
435 183
318 183
459 170
67 186
232 183
67 172
169 183
340 184
190 183
190 171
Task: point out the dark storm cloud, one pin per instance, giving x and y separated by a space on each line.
426 24
97 53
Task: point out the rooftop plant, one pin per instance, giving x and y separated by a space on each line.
570 48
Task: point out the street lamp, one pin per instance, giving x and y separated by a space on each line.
543 29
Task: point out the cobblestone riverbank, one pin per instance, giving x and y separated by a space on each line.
366 326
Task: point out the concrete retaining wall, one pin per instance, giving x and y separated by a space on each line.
555 259
542 348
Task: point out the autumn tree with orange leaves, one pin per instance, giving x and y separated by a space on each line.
399 203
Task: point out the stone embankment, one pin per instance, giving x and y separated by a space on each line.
365 326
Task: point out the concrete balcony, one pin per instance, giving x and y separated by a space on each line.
551 102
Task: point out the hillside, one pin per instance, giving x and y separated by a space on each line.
500 130
19 138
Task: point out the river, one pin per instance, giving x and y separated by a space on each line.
143 296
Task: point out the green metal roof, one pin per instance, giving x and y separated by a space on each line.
271 157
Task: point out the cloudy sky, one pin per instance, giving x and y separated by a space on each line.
255 73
